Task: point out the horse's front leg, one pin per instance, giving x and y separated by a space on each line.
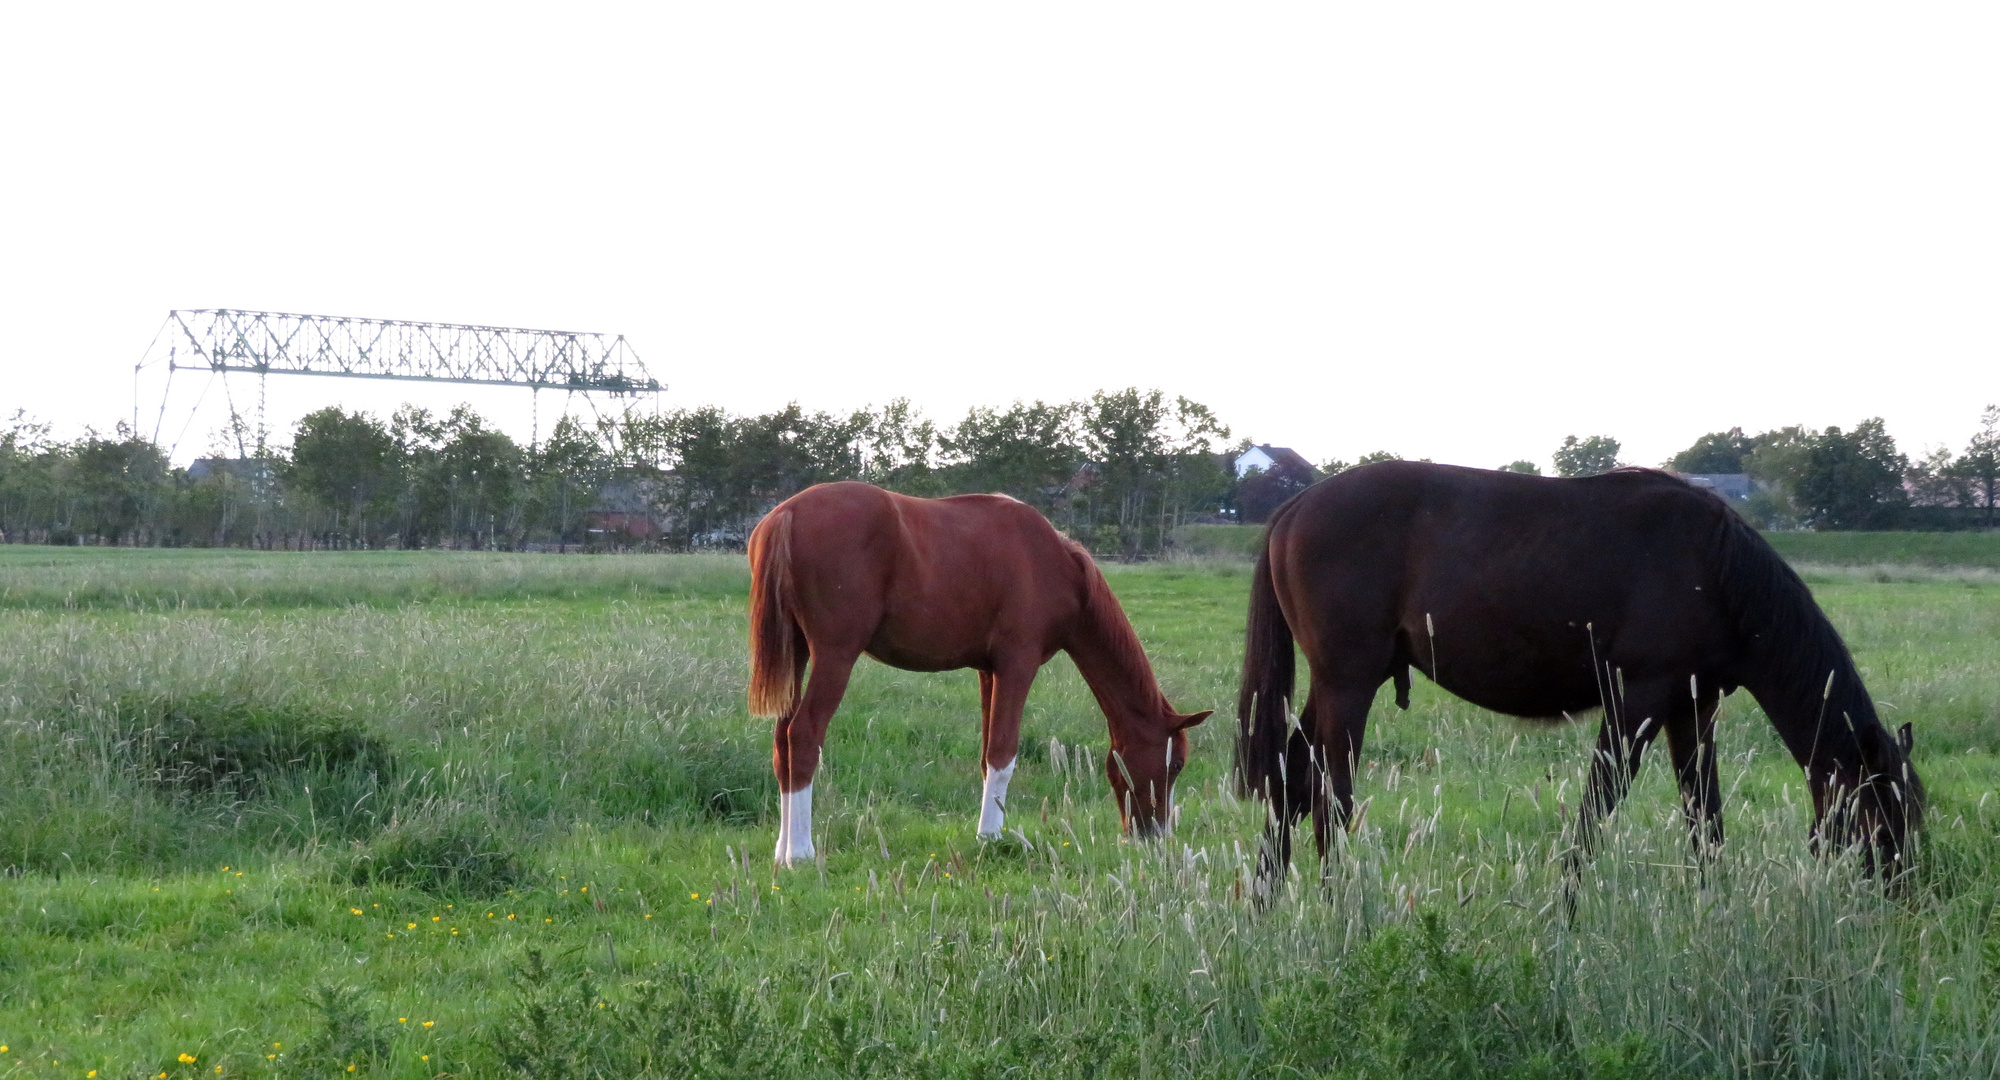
1631 723
795 749
1003 693
1691 741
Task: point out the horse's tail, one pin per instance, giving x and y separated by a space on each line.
773 628
1263 705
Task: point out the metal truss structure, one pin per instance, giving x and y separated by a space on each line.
277 343
262 343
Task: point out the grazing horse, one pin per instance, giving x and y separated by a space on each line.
978 581
1540 598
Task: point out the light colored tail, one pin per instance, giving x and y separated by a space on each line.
773 631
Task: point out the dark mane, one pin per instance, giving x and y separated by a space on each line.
1791 646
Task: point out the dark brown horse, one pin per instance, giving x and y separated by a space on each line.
974 581
1540 598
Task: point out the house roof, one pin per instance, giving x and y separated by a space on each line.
1279 456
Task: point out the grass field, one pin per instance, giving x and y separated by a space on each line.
430 814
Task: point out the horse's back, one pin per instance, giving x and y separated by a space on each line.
1504 584
927 583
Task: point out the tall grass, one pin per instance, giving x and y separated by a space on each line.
583 769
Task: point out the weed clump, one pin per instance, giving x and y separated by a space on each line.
205 742
440 850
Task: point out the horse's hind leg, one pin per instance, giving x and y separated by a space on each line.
1338 720
1691 740
1002 695
795 748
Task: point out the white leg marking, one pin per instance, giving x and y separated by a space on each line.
795 822
993 801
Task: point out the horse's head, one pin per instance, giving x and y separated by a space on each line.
1143 762
1877 801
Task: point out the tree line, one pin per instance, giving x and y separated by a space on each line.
1119 471
1833 478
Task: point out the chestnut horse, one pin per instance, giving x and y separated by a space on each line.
1539 598
978 581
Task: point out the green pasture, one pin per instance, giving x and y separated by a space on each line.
478 815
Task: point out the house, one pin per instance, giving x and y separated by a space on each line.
1266 476
624 512
1728 485
1274 460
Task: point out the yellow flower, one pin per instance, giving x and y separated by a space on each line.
188 1059
454 931
489 914
694 896
435 918
277 1046
3 1049
402 1019
270 1057
430 1023
548 920
389 935
427 1057
91 1075
510 914
355 910
586 888
411 926
649 915
350 1068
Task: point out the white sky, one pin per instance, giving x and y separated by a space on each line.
1450 231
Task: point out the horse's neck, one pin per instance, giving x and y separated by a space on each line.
1816 700
1113 663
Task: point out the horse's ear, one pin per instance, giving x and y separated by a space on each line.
1904 739
1185 722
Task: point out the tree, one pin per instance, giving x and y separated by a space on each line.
900 450
1979 467
1153 462
118 484
563 475
1852 480
348 463
1586 457
1528 468
1715 452
1029 452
